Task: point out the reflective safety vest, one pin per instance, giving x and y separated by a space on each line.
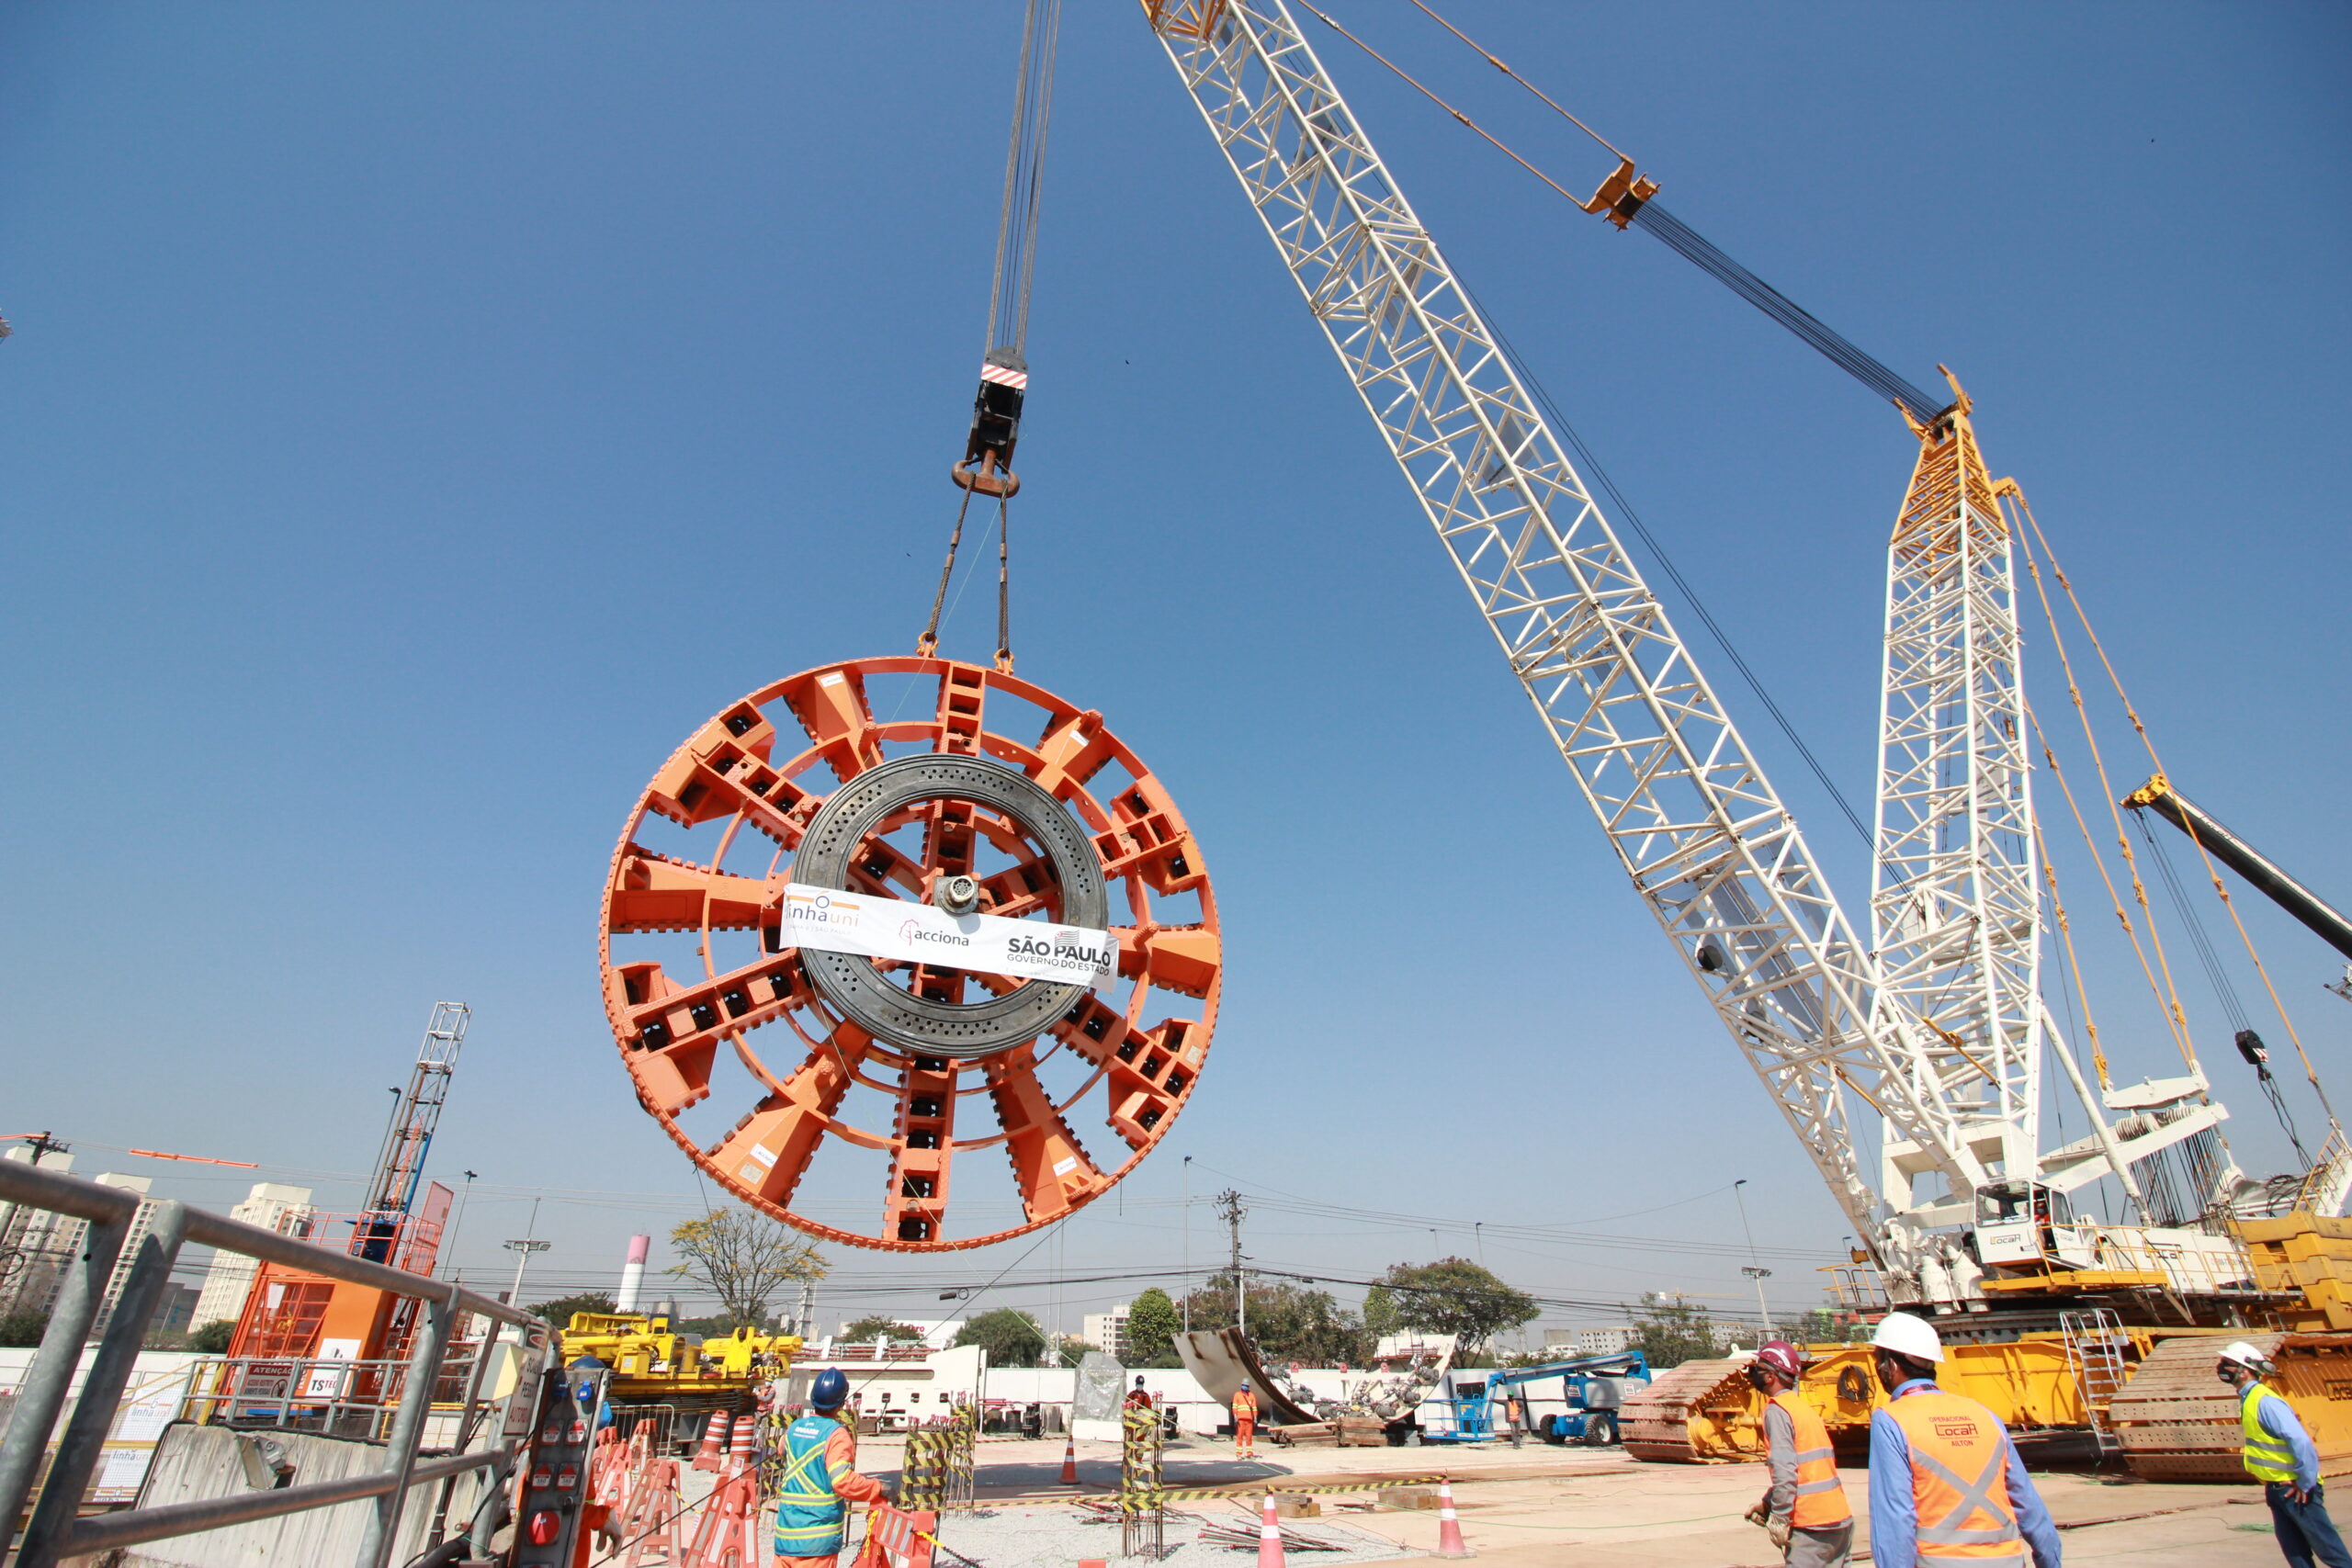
1245 1407
2267 1458
810 1515
1821 1499
1960 1486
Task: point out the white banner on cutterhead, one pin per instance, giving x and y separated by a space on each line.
833 922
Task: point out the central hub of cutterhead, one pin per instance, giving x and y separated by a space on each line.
851 826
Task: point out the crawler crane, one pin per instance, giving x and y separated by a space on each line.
1936 1026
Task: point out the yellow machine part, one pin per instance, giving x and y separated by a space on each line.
1705 1412
653 1364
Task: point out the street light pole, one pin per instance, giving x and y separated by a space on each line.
1753 1271
523 1248
1187 1282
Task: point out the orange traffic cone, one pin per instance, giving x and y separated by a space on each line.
1448 1528
713 1442
1270 1537
1069 1460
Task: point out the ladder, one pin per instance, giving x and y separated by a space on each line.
2096 1344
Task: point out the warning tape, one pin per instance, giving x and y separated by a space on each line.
1239 1489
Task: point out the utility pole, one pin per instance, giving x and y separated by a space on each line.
1230 1210
525 1247
806 1326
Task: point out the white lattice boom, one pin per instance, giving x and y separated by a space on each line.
1713 851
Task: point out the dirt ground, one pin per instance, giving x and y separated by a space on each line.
1554 1506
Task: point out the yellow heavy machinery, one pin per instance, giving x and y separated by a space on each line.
653 1364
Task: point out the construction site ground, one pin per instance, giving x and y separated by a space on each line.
1536 1504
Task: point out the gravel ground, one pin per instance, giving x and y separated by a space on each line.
1058 1538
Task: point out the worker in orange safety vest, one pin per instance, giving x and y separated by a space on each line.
1805 1509
1947 1487
1245 1422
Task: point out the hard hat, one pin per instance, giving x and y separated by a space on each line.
1139 1379
2246 1355
1782 1358
831 1388
1908 1336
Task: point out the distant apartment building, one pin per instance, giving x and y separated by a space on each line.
173 1314
272 1206
36 1244
142 1220
1605 1341
1107 1332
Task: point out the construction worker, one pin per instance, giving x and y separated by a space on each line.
1805 1509
1139 1397
2279 1453
820 1478
1947 1487
1245 1422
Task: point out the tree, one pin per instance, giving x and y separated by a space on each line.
1011 1338
1673 1331
1072 1349
1456 1296
1153 1324
868 1329
212 1339
22 1328
744 1259
1286 1323
559 1310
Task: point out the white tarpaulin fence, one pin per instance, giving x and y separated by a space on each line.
833 922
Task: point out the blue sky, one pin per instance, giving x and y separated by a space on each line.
420 418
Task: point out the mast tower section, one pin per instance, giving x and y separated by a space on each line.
1955 910
391 1193
1715 854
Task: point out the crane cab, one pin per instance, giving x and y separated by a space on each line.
2025 1225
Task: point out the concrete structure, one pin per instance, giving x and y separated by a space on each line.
1107 1332
35 1243
272 1205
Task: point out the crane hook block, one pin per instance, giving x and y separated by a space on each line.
1622 195
996 427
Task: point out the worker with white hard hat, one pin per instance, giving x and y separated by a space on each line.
1948 1489
1805 1509
2279 1454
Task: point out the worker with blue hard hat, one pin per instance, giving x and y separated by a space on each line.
820 1478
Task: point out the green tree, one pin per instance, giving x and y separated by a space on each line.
1456 1296
1380 1314
744 1259
212 1339
1672 1331
866 1330
22 1328
559 1310
1011 1338
1286 1323
1153 1324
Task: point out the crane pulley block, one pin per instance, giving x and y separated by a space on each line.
1622 195
987 466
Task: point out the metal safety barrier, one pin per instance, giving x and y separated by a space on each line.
55 1531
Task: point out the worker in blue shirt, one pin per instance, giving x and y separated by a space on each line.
1947 1487
2279 1453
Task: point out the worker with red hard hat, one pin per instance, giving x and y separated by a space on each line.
2279 1454
1805 1509
1948 1489
820 1478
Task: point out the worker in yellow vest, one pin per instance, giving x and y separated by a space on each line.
1804 1510
1947 1487
1245 1422
2279 1454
